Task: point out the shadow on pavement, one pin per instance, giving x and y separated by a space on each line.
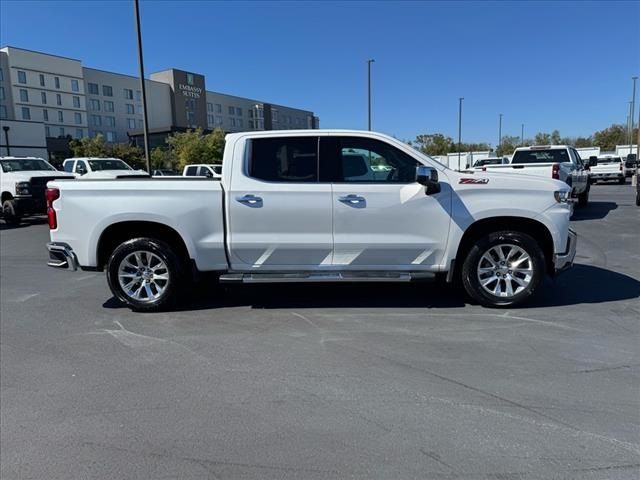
25 222
581 284
593 211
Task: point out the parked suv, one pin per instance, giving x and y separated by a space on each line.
23 181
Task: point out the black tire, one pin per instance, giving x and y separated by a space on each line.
175 267
638 198
10 212
473 261
622 181
583 198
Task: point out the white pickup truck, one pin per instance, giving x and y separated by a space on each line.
559 162
22 184
97 167
303 207
608 167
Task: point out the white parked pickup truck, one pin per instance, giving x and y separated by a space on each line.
22 184
303 207
559 162
608 167
94 167
203 170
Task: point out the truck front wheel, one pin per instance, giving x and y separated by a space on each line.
145 274
503 269
10 212
583 198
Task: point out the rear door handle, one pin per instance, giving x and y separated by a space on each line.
352 199
251 200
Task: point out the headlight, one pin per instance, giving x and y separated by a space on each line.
23 188
561 196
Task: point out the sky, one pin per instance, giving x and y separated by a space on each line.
549 65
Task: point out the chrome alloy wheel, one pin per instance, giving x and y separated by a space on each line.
505 270
143 276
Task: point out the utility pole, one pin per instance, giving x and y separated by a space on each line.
522 136
369 62
145 122
6 129
630 123
499 133
459 129
633 111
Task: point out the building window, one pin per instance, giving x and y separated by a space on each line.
239 122
41 80
79 133
26 113
45 115
108 106
128 94
107 91
131 123
209 107
238 111
138 95
76 101
22 76
218 120
56 81
93 89
3 111
232 110
94 104
139 123
58 99
250 123
111 136
60 116
77 117
24 95
43 97
218 108
74 85
61 131
2 97
232 122
130 109
210 120
250 113
274 115
1 75
47 131
110 121
96 120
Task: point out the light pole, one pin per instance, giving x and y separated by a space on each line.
522 136
629 124
6 129
499 133
145 123
633 110
459 128
369 62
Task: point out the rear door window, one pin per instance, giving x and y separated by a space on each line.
284 159
192 171
68 166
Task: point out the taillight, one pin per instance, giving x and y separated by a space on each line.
555 171
52 194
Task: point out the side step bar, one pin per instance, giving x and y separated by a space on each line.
311 277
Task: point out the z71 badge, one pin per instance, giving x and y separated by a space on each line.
481 181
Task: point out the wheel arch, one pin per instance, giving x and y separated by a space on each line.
6 196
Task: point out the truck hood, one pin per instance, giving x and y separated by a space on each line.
510 181
25 176
112 174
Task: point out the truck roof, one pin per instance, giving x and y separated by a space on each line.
92 158
12 157
543 147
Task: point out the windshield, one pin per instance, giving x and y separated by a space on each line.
108 164
25 164
488 161
540 156
217 169
609 160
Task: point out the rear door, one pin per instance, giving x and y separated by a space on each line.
383 220
578 173
280 214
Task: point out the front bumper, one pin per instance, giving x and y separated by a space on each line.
61 256
29 205
606 176
563 261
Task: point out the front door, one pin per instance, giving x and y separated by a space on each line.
280 216
383 220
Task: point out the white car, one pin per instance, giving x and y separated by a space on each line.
296 206
608 168
203 170
94 167
559 162
22 182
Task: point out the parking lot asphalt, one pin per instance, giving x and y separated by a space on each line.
365 381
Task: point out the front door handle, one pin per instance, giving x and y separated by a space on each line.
251 200
352 199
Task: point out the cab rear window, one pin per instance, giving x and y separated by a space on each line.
540 156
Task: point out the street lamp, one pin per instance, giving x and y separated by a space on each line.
633 111
459 128
6 138
145 122
499 132
522 135
369 62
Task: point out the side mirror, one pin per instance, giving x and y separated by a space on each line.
593 161
208 174
81 171
428 176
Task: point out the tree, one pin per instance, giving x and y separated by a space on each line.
131 154
508 145
195 147
434 144
97 147
162 158
608 138
582 142
555 138
542 138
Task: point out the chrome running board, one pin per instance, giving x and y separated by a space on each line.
325 277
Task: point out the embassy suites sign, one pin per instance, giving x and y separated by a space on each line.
190 90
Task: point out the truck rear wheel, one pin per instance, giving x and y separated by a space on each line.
146 274
583 198
503 269
10 212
